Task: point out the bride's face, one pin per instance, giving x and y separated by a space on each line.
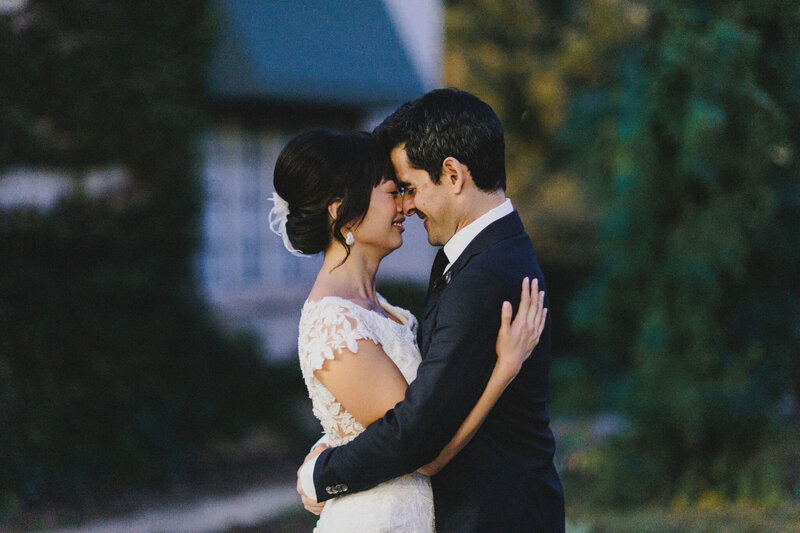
382 227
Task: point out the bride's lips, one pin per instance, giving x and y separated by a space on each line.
398 223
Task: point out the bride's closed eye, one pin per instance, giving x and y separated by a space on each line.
396 190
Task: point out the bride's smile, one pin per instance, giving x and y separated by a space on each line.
382 226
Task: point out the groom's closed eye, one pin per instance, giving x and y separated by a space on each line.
408 191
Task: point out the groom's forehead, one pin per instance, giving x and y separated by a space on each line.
398 154
400 164
406 172
410 179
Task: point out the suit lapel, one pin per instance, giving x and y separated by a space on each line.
508 226
499 230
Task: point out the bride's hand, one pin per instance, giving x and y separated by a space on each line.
311 505
517 339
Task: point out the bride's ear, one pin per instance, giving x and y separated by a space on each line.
333 209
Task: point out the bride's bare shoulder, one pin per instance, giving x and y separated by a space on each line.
320 292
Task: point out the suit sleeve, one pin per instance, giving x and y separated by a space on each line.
449 381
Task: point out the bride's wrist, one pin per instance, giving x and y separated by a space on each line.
507 369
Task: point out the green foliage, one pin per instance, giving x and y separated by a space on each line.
711 516
694 158
111 369
530 61
405 295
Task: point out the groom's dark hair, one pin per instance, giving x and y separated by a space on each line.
448 123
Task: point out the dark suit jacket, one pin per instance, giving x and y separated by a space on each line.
504 479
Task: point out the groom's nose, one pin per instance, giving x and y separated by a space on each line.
408 205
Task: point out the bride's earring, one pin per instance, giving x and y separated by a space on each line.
349 239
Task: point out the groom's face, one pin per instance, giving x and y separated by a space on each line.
423 197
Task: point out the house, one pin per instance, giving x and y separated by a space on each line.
280 67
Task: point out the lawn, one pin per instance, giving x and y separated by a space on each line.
700 519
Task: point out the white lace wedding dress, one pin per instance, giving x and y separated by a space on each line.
404 504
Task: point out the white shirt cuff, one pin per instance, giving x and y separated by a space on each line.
322 440
307 478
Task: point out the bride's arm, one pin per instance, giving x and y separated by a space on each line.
515 340
365 382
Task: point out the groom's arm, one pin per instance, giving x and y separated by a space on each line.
449 382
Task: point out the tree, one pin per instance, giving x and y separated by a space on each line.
111 368
696 302
530 61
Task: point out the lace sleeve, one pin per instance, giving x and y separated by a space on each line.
326 328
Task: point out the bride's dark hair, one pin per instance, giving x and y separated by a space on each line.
317 168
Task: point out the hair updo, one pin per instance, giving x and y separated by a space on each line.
317 168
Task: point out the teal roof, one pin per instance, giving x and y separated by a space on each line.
341 52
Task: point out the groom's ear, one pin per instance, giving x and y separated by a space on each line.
455 173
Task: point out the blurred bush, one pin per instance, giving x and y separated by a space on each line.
111 368
532 61
403 294
692 157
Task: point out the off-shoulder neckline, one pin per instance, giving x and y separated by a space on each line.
390 309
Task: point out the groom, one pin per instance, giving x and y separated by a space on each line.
447 150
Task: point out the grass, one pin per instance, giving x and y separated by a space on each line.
265 455
580 519
731 518
580 441
581 452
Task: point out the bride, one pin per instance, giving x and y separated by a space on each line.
358 353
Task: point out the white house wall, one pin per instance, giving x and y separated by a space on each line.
240 252
247 274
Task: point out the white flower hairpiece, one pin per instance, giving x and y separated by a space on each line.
277 223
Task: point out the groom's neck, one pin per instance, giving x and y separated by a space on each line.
478 205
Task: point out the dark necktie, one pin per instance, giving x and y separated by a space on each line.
438 267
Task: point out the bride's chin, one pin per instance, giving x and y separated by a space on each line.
391 246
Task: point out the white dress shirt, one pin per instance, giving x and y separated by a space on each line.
459 242
453 250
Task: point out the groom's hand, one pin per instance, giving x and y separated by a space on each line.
310 504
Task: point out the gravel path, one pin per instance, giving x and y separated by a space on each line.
206 515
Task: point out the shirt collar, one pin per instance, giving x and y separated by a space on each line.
459 242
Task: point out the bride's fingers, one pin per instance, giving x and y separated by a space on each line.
540 307
535 306
505 315
312 506
524 302
544 320
541 325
